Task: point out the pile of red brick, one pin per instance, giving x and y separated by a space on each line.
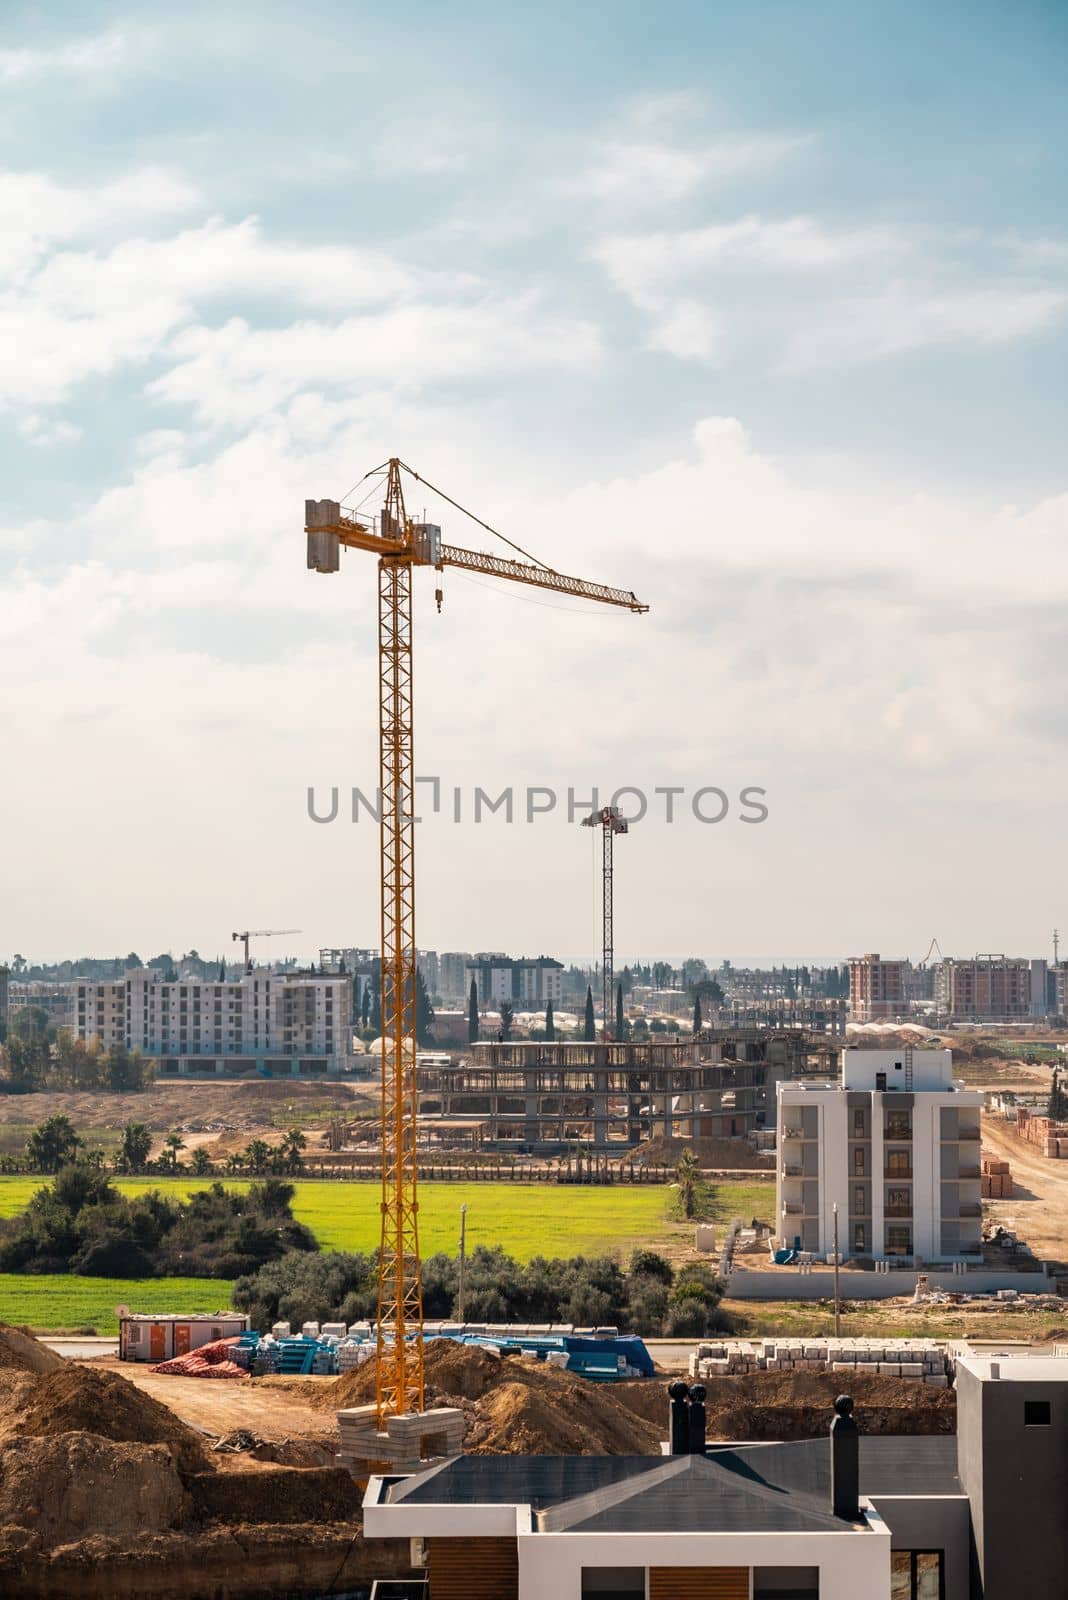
995 1181
210 1361
1050 1137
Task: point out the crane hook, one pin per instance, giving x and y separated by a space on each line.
439 595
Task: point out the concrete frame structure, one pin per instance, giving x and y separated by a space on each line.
895 1143
544 1098
989 988
294 1023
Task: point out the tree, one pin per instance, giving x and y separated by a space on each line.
136 1143
589 1032
693 971
132 962
688 1174
365 1006
26 1060
697 1016
375 986
53 1144
1057 1110
174 1142
257 1156
663 975
621 1021
424 1012
550 1023
201 1162
507 1010
472 1013
291 1147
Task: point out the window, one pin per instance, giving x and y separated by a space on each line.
858 1123
916 1575
860 1203
613 1583
858 1163
786 1583
860 1237
898 1241
898 1161
1036 1413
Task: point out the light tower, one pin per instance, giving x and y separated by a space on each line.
610 821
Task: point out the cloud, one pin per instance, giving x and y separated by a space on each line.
100 57
37 213
47 431
657 172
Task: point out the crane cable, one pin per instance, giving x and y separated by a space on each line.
464 512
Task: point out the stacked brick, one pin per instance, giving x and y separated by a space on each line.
917 1359
1050 1137
995 1178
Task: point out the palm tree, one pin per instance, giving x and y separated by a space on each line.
291 1147
174 1142
257 1156
688 1173
202 1165
235 1163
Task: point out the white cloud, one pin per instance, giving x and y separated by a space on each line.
47 431
103 56
658 172
36 212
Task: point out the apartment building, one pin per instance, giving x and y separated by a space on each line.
294 1023
45 994
528 982
453 983
990 988
894 1143
877 987
850 1516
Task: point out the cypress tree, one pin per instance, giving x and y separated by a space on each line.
589 1032
376 1001
365 1005
424 1012
621 1021
697 1016
550 1025
472 1013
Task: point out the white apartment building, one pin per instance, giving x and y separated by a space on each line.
293 1023
895 1144
528 982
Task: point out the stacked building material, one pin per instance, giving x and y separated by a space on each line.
1050 1137
995 1180
406 1444
891 1358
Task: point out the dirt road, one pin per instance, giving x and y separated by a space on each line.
269 1408
1038 1210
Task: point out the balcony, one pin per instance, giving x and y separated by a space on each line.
792 1133
897 1211
970 1208
790 1169
968 1172
898 1174
971 1134
792 1208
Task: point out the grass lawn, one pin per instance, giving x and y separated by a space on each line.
869 1319
61 1303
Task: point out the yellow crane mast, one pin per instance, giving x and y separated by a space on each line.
401 544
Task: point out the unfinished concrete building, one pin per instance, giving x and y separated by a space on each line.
542 1098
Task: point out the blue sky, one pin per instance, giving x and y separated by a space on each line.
759 311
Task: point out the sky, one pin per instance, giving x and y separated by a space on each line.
759 312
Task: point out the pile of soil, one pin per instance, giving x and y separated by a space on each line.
800 1405
515 1406
21 1352
80 1400
76 1485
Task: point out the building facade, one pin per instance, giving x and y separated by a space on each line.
529 982
295 1023
989 988
453 983
895 1145
877 987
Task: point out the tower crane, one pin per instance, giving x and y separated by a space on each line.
400 544
260 933
611 821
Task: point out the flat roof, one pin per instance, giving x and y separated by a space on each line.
1021 1369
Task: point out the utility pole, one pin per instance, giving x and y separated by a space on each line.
837 1297
463 1259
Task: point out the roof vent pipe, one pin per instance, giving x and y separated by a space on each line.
845 1462
678 1419
995 1369
697 1420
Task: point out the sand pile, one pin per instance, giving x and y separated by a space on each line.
21 1352
712 1154
515 1406
75 1485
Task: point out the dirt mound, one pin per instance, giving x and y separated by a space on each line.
799 1405
78 1399
76 1484
23 1353
515 1406
277 1495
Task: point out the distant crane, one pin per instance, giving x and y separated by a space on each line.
401 543
259 933
611 821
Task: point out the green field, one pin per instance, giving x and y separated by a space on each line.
525 1219
62 1303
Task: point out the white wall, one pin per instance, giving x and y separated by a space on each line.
931 1069
853 1566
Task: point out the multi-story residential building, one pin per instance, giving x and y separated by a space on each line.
429 966
296 1023
991 988
453 983
877 987
527 982
894 1143
43 994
